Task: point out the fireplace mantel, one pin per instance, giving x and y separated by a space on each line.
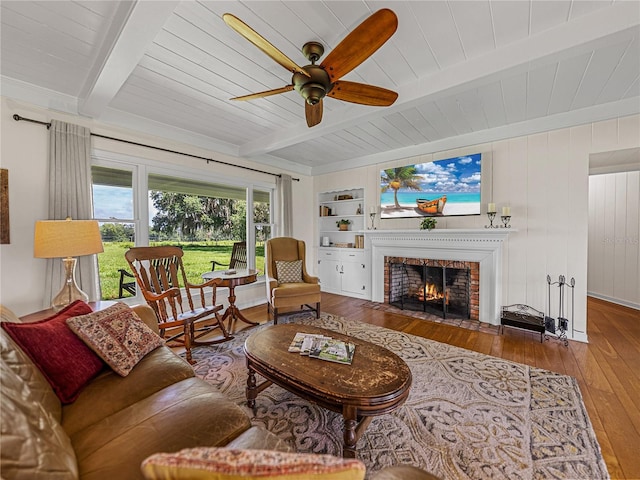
472 245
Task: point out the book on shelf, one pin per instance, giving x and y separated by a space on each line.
325 211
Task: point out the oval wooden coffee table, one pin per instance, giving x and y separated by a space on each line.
376 382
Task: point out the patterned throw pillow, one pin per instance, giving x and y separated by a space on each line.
289 272
234 464
117 335
64 360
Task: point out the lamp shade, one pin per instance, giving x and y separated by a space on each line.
66 238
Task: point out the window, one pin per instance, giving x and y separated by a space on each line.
205 218
262 225
114 210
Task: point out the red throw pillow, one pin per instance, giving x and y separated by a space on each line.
63 358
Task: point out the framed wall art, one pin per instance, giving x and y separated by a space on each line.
432 189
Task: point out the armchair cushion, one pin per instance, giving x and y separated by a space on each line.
117 335
289 272
233 464
295 290
65 361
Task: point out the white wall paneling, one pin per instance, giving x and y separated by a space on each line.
614 237
545 179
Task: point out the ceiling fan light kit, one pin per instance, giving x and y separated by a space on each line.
314 82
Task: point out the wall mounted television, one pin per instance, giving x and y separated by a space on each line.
440 188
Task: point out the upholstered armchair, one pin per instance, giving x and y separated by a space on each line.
288 283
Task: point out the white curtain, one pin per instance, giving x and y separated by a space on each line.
285 203
70 196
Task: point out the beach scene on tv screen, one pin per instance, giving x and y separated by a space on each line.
432 189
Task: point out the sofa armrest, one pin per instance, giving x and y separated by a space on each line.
148 316
259 438
403 472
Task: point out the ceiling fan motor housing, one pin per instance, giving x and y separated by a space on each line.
314 87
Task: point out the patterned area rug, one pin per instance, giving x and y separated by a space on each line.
468 416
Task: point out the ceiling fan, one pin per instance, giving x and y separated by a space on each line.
314 82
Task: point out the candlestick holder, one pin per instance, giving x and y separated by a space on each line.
492 216
505 221
372 215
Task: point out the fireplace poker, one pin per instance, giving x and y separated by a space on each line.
573 291
562 321
549 321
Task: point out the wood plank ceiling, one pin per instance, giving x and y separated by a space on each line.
466 72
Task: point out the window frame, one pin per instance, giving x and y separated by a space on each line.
142 167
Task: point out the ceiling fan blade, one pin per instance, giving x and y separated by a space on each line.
356 47
262 43
313 113
363 94
268 93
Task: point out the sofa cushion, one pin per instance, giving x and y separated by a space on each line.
232 464
184 415
14 357
33 445
109 393
65 361
117 335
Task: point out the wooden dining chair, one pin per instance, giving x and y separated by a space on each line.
238 257
179 305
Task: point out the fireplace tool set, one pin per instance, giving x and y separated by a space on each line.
560 328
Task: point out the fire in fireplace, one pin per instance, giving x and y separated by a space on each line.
429 293
438 287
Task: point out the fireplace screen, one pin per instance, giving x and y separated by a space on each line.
435 287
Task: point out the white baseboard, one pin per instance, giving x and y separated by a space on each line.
617 301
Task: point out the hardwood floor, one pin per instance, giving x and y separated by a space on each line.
607 368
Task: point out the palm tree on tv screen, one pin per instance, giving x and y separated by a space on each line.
397 178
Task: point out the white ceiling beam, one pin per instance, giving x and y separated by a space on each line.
605 25
135 26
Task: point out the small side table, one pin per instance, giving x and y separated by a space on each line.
232 279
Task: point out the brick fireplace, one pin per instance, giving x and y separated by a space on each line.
449 289
480 246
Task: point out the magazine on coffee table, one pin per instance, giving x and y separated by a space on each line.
332 350
301 342
325 348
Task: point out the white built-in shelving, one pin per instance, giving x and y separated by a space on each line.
343 264
338 205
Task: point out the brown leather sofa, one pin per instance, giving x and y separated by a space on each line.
116 422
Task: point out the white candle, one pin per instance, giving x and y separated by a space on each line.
491 208
373 210
506 211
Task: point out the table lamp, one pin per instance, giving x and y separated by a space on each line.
67 239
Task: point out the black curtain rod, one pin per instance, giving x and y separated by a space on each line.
17 118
